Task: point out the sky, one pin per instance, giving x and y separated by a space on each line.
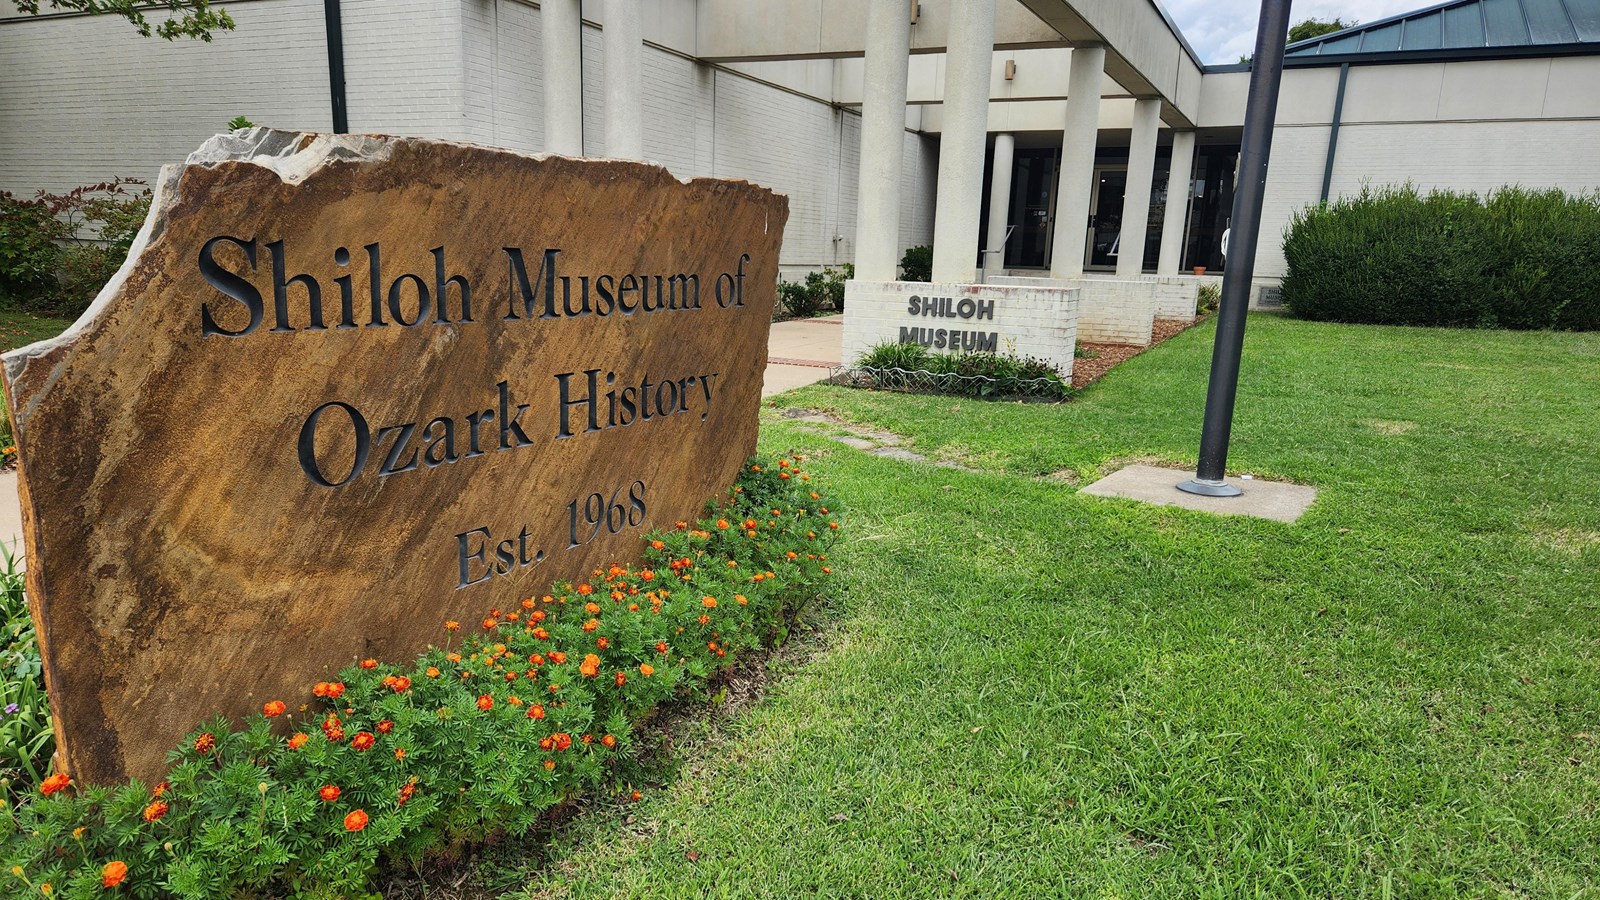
1221 31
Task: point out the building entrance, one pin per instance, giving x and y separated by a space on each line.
1104 242
1033 188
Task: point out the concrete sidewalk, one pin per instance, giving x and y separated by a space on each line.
799 352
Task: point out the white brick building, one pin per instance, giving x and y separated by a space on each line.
1081 136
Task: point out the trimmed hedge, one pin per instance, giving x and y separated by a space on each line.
1519 258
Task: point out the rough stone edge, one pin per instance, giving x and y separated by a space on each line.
294 156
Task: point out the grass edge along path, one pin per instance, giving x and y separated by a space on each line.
1029 692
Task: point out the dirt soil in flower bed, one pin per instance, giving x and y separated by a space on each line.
1108 356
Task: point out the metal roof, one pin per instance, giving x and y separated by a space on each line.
1464 25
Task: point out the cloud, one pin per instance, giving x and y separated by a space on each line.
1221 31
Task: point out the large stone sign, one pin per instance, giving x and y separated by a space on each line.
347 388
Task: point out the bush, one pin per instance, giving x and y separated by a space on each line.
58 250
1391 256
966 374
818 292
917 264
1208 299
480 736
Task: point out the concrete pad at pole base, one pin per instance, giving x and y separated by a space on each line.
1262 499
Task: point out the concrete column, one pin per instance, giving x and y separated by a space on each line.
994 258
562 29
1076 183
624 59
1179 180
966 125
883 126
1141 178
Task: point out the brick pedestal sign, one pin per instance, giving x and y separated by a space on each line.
347 388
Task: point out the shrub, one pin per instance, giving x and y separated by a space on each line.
1391 256
819 291
484 734
894 364
917 264
58 250
1209 298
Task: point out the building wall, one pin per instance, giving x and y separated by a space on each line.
1467 126
86 100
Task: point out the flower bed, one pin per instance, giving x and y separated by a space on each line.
509 717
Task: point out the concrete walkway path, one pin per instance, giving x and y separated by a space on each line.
799 352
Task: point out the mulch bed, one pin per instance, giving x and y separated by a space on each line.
1108 356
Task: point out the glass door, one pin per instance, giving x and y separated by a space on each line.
1103 244
1032 192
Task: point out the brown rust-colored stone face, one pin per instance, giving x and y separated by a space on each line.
249 465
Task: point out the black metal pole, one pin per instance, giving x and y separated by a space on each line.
335 22
1255 147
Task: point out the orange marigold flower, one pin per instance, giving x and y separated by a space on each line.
657 545
356 821
298 740
616 596
585 589
827 571
541 634
602 642
161 788
401 684
274 708
590 666
453 657
708 602
723 524
406 790
558 657
743 600
320 690
562 740
537 615
834 525
621 679
490 624
329 793
704 619
363 741
433 671
588 739
549 764
591 625
637 796
452 625
385 726
369 664
792 555
335 690
156 810
535 711
609 741
633 607
206 742
646 670
721 652
647 575
528 603
661 646
113 873
399 753
485 702
591 607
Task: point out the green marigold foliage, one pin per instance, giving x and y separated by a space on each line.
509 717
1519 258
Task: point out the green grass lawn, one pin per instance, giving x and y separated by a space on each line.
19 329
1025 692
